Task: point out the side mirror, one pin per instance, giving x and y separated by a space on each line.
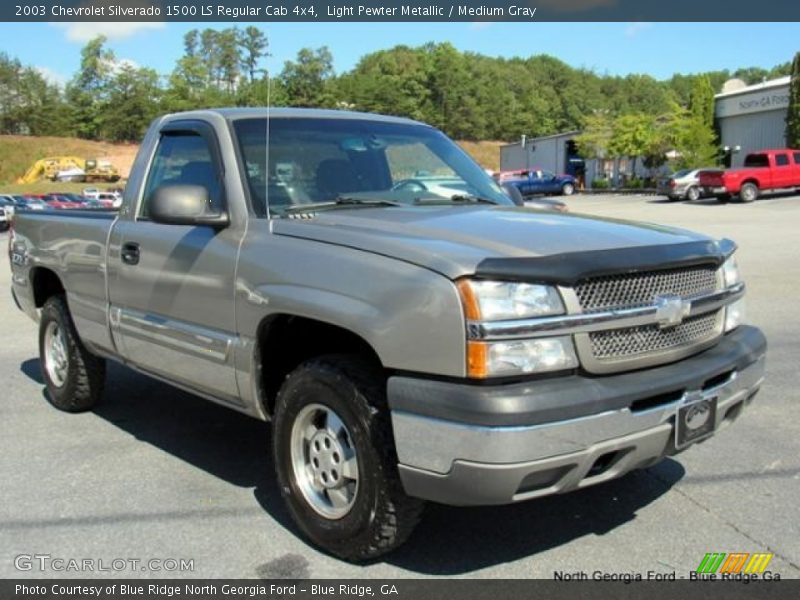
185 205
513 192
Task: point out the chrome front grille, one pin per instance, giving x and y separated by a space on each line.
619 344
627 348
640 289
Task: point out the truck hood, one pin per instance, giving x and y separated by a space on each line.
456 240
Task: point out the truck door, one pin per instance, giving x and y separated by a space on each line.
172 286
783 173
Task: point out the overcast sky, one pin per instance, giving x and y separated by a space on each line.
659 49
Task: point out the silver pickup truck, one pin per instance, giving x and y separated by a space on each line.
410 333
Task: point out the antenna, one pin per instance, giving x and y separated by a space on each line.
266 143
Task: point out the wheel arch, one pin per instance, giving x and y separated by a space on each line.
752 180
45 283
285 340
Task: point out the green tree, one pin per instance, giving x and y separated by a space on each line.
253 43
793 114
29 104
308 78
87 91
632 137
701 101
229 59
695 139
594 142
132 103
695 142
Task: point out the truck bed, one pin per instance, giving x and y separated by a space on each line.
72 244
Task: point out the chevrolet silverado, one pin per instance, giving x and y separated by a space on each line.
406 342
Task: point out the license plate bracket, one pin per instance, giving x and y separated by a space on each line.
695 421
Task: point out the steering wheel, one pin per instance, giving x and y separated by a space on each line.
409 185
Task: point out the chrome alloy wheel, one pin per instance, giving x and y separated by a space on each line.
56 359
324 461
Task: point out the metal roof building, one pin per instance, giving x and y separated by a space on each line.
753 117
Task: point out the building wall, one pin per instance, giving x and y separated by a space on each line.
753 118
753 131
548 153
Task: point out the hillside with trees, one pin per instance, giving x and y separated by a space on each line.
467 95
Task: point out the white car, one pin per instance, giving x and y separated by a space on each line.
8 202
6 211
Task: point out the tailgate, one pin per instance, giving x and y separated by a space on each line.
710 178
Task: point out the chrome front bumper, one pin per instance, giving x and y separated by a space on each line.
461 463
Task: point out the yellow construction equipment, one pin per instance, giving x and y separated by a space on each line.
70 168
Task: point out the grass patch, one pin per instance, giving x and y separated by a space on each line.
487 154
19 152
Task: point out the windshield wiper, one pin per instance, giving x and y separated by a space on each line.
340 201
455 199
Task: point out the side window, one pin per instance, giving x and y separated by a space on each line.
183 159
797 158
781 160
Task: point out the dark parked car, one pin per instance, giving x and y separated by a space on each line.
538 181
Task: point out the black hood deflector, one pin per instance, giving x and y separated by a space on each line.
570 267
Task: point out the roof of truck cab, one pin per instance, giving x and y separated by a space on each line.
294 113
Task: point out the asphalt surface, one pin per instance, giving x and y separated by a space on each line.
156 473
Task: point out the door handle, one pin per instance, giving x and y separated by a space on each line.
130 253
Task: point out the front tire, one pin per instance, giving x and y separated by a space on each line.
749 192
567 189
335 459
74 376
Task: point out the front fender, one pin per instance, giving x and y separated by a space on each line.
410 316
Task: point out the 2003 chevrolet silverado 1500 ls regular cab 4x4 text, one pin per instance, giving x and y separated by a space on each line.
406 344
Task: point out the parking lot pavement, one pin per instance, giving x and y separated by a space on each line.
158 473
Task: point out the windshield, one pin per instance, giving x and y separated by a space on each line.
681 173
315 161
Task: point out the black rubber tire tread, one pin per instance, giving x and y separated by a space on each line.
384 516
86 374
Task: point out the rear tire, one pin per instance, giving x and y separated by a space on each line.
749 192
74 377
693 194
332 411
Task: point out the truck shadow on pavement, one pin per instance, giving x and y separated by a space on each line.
448 541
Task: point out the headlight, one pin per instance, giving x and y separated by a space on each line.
730 272
501 300
520 357
734 315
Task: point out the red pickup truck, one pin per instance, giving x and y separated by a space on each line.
763 171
